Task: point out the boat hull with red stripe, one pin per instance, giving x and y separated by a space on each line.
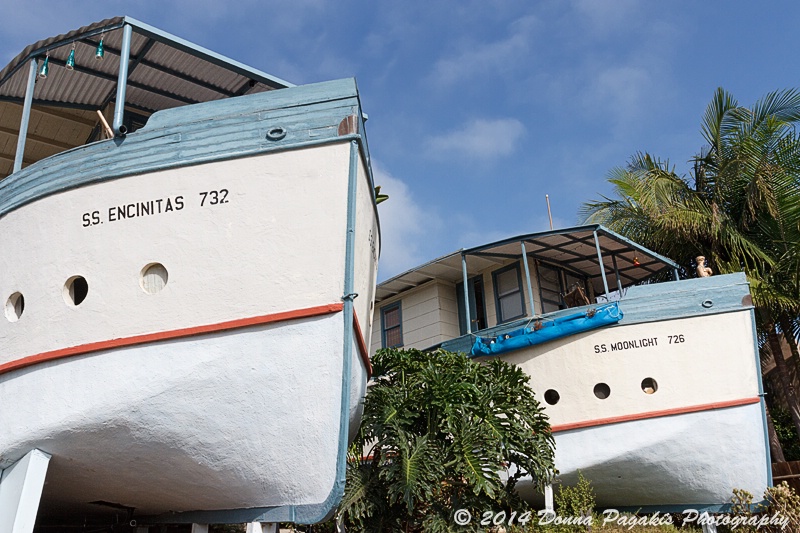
664 410
197 299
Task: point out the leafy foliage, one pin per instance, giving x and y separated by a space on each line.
441 432
575 501
786 433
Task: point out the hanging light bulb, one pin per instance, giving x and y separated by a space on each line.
100 51
45 68
71 59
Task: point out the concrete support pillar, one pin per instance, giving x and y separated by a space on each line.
199 528
21 487
262 527
548 499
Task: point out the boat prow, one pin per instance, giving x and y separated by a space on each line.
188 305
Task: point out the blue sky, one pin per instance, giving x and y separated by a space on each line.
480 108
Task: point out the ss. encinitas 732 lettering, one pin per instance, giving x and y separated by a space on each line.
152 207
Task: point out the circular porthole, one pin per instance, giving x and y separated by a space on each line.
15 305
602 391
552 396
153 278
75 290
649 385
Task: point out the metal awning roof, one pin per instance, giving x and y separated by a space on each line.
573 249
164 72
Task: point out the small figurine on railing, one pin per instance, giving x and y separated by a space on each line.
702 270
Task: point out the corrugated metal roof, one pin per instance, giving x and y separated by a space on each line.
573 249
159 61
164 72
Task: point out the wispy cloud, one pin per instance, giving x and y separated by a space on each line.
484 59
479 139
405 226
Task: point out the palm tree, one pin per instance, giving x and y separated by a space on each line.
740 208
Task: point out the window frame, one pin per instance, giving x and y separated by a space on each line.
473 299
559 276
498 309
385 309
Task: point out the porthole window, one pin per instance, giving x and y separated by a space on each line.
602 391
551 396
75 290
649 385
15 305
153 278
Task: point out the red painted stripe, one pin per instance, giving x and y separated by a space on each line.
654 414
362 346
166 335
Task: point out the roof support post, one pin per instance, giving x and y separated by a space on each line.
616 274
600 261
26 115
527 276
676 274
466 292
122 80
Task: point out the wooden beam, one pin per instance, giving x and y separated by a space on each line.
25 161
37 138
60 114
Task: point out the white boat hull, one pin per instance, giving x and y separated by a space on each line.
687 444
229 391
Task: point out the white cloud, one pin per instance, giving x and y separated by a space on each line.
405 226
479 139
484 59
608 18
620 91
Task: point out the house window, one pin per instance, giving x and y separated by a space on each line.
550 288
508 293
392 326
554 284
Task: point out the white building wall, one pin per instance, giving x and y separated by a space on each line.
430 311
448 312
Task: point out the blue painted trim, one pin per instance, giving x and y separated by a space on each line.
311 514
657 302
762 403
527 276
474 280
466 293
205 53
602 230
26 116
616 272
190 135
498 315
396 305
600 261
122 80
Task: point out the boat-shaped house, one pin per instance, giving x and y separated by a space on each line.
652 385
189 251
